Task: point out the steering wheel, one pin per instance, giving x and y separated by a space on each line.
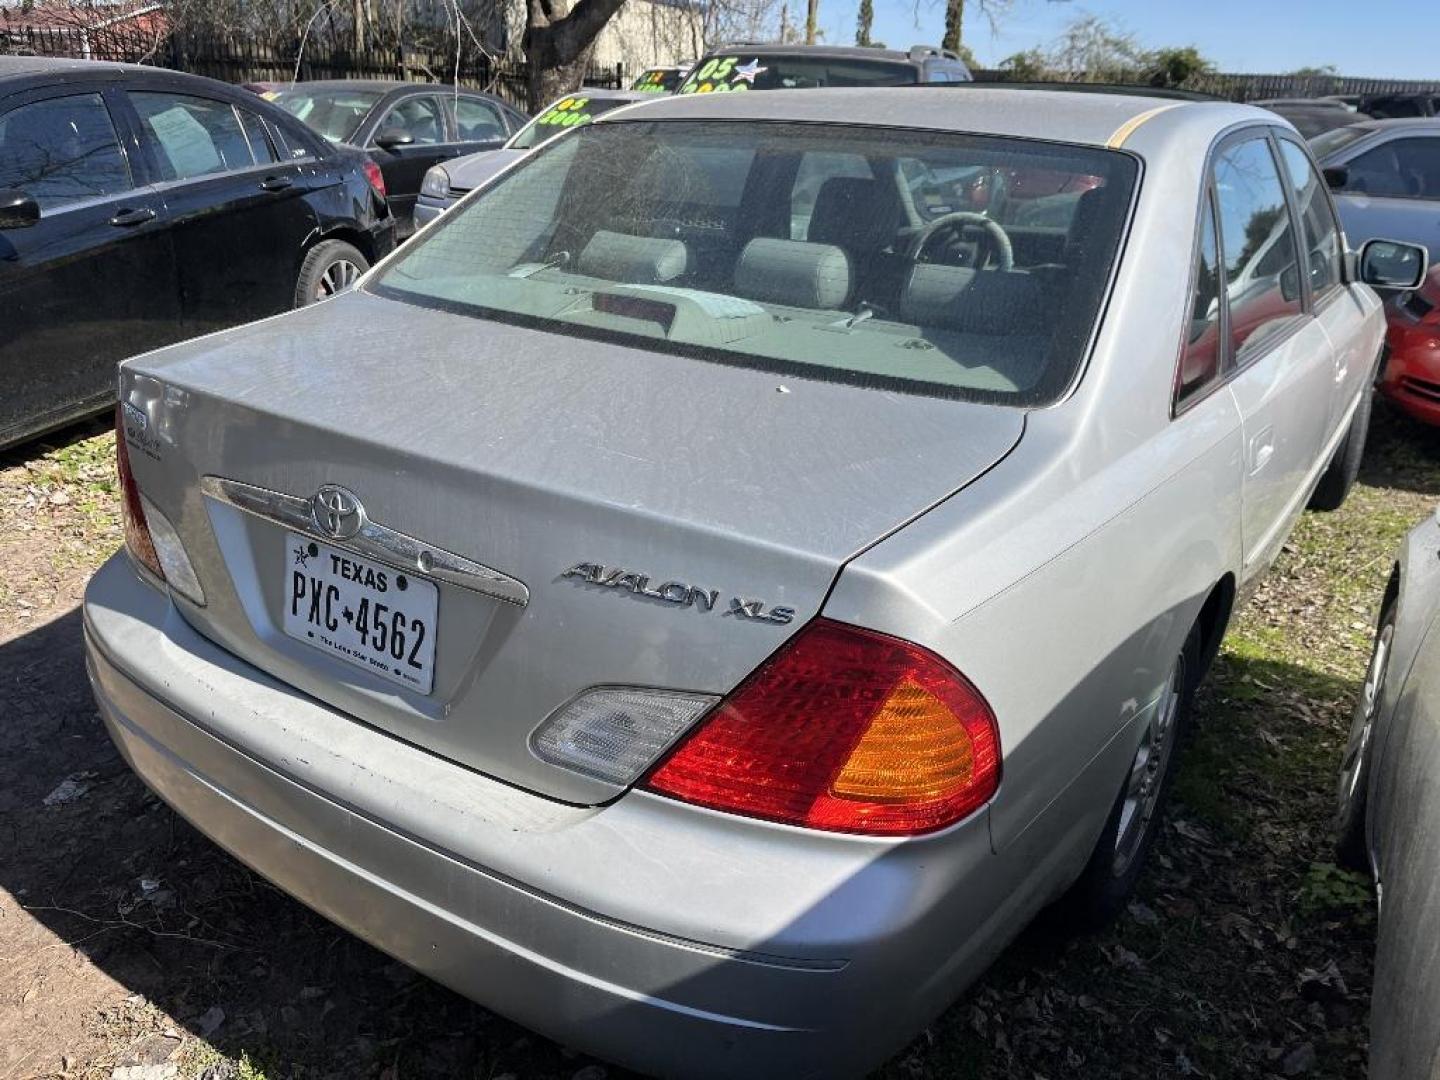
958 222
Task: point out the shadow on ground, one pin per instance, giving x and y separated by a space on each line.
1401 452
1226 964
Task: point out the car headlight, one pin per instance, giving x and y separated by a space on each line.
436 183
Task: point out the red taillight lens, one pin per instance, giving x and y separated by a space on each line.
847 730
375 176
137 533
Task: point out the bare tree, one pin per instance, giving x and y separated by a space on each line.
559 38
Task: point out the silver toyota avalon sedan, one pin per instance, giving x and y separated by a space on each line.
710 591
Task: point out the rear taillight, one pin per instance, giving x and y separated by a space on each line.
149 535
137 533
375 176
847 730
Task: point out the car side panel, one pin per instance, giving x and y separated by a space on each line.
1284 398
78 294
1404 1038
1371 217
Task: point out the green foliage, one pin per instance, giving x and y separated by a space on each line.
864 20
1177 66
1329 888
1097 50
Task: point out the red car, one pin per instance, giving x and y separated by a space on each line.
1411 374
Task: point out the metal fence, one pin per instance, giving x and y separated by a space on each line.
1237 87
239 60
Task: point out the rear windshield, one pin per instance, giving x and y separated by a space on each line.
335 114
568 112
658 80
1330 142
770 72
952 265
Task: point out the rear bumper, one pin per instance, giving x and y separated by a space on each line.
819 956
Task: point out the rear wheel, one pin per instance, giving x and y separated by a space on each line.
330 267
1115 865
1339 477
1350 845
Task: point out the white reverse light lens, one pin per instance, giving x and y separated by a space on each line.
436 183
615 733
179 574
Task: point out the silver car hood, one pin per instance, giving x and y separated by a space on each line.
532 452
474 169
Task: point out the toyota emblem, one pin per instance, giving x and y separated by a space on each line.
337 512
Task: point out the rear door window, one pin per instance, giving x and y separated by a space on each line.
1402 168
476 120
62 150
254 129
420 117
191 136
1200 356
1322 233
1262 283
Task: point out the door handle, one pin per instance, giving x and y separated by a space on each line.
126 219
1262 448
277 183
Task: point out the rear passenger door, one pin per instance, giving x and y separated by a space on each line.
239 219
1280 357
423 118
1392 191
1335 308
91 282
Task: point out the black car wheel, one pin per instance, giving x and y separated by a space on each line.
330 267
1353 793
1119 856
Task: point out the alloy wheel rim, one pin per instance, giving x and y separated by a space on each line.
1369 702
338 276
1147 773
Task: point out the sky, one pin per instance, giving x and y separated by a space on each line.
1379 39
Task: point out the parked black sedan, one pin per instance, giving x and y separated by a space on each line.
140 206
404 127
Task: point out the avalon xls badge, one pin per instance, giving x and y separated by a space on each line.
675 592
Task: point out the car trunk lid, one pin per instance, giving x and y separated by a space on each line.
640 498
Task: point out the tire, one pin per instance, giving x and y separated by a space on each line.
329 267
1339 476
1353 790
1107 881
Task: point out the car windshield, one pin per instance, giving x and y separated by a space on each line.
1330 142
779 72
945 264
661 80
335 114
568 112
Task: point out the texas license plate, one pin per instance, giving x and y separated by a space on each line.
374 616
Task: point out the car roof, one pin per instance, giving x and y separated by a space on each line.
850 52
1431 123
1095 119
385 86
50 65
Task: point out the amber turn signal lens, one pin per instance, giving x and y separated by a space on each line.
847 730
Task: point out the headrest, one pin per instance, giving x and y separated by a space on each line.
977 301
639 260
793 273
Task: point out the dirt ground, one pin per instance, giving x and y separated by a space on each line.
131 947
